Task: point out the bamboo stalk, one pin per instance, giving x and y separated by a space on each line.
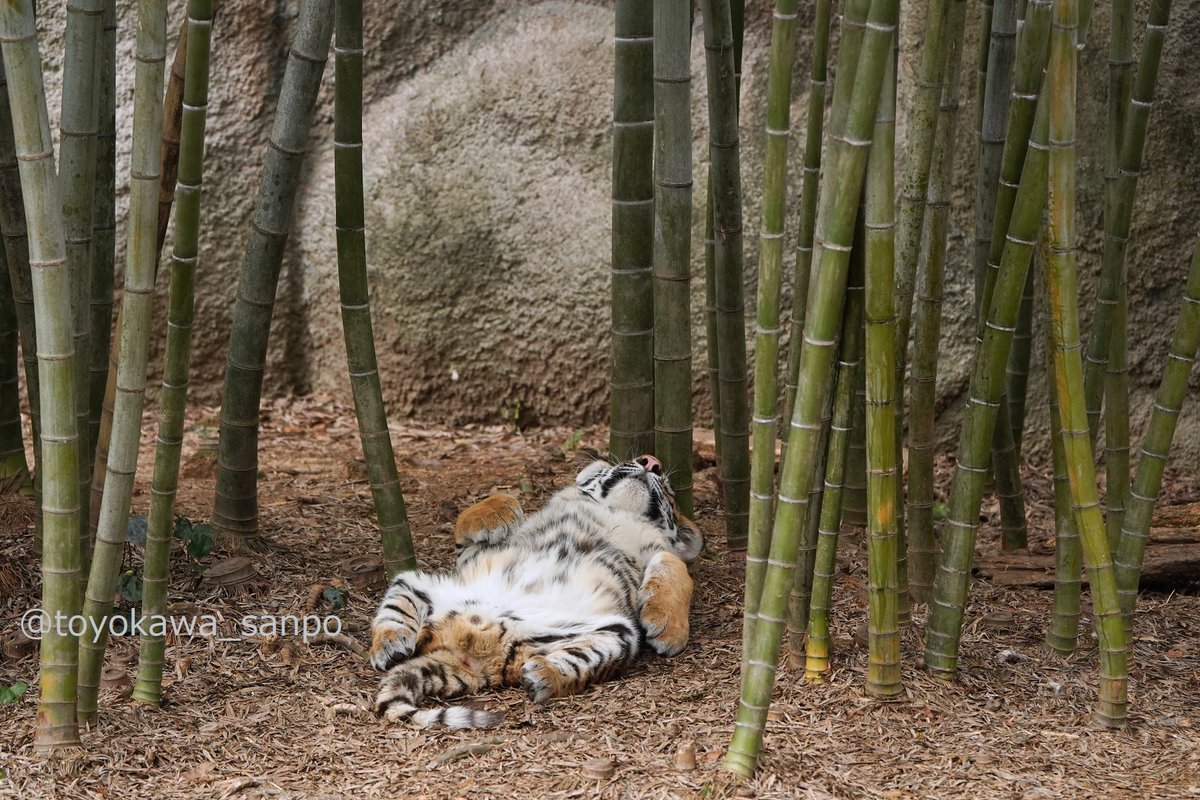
180 314
730 304
137 301
632 378
1063 635
394 530
104 224
765 419
56 725
235 510
1118 217
817 647
12 444
811 173
1063 295
1156 443
1017 372
979 416
883 462
835 229
926 320
672 246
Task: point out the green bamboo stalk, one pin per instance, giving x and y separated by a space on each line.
1116 378
817 648
1119 206
104 225
979 415
137 302
810 179
726 212
983 59
77 173
1116 426
16 249
1017 372
993 123
1063 295
168 173
235 511
180 314
851 350
1063 634
767 326
12 444
355 294
927 318
883 462
835 230
854 497
56 724
632 378
672 246
1156 443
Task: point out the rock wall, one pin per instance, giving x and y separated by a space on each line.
488 169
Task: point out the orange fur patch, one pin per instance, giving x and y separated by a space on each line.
497 511
666 599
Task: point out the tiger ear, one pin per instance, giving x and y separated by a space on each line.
691 538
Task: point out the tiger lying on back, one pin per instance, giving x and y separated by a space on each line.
553 602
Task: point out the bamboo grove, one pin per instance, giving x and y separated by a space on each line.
837 374
85 397
854 367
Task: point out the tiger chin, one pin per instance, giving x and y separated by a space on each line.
553 602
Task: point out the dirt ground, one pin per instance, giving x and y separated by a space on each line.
264 718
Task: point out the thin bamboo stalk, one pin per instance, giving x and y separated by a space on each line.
56 724
77 174
835 230
672 246
817 647
394 530
16 249
979 415
800 598
235 510
811 176
1118 217
1063 296
726 212
883 462
1156 443
12 445
854 497
765 419
1017 372
632 378
1063 634
927 317
998 68
180 314
137 301
168 174
104 225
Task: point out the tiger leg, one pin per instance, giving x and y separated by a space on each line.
486 523
571 664
400 618
666 597
439 674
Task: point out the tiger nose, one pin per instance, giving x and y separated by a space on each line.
652 464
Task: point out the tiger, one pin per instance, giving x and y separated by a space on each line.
552 603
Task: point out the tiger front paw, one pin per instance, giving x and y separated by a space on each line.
666 596
390 646
489 521
542 680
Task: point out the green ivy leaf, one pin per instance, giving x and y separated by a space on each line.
10 694
200 543
135 530
183 528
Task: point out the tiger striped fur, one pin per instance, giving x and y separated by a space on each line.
553 602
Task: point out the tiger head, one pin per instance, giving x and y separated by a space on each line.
639 487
